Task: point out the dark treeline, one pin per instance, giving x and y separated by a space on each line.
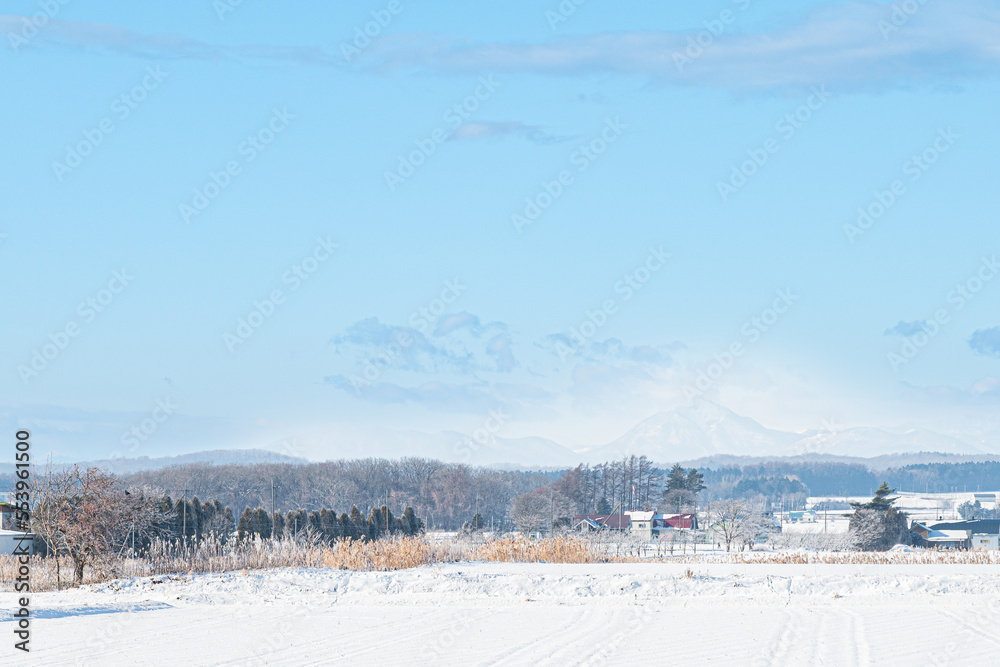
945 477
443 495
326 526
192 521
775 479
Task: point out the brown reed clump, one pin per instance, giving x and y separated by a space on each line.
559 549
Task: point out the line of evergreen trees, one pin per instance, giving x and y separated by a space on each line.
326 525
193 521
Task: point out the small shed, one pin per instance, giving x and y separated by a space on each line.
985 542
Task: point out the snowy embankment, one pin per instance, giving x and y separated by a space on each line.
502 613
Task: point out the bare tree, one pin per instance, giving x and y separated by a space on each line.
85 515
529 512
731 518
756 526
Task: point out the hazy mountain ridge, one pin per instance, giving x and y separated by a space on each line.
700 434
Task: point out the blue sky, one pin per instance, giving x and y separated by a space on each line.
233 155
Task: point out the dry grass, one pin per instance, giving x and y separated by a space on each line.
407 552
517 549
399 553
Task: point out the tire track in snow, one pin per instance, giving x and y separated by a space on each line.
570 627
859 632
969 625
779 644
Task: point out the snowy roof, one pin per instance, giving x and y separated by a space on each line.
947 535
641 516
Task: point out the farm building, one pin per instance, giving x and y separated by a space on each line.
933 538
648 524
587 523
977 534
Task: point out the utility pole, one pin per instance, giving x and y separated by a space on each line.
272 499
184 514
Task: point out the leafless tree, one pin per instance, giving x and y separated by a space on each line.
529 512
85 515
756 526
731 518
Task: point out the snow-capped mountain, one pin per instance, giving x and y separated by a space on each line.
706 429
691 432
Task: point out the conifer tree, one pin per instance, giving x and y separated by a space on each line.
388 520
358 525
245 527
877 525
413 527
196 518
376 525
301 520
330 524
229 524
278 526
262 523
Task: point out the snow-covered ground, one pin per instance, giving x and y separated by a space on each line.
528 614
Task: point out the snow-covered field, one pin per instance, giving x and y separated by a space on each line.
528 614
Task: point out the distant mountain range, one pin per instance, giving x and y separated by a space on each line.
220 457
705 432
707 429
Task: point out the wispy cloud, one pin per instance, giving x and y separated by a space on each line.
906 329
536 134
457 344
369 338
113 39
843 46
986 342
